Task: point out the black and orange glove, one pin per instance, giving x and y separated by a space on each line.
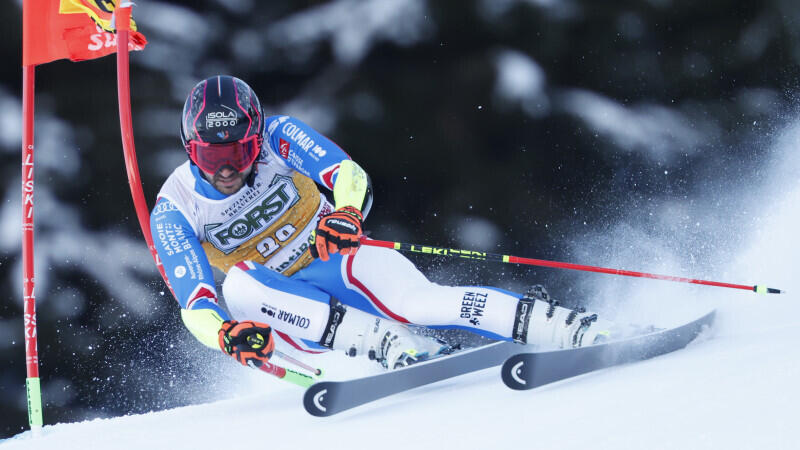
339 231
248 342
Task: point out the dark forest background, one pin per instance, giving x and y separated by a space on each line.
516 126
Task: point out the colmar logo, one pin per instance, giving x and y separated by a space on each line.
269 310
285 316
284 149
304 141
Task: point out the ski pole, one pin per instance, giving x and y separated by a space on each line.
298 363
289 375
485 256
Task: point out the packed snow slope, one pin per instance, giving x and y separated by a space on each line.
736 387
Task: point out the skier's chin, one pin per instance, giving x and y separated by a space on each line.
230 186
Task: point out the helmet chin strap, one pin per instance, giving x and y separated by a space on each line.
251 179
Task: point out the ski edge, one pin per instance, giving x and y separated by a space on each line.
516 375
327 398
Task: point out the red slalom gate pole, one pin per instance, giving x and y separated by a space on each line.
32 384
485 256
123 21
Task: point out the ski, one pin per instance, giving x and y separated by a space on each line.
331 397
533 369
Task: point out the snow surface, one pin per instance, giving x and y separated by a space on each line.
736 387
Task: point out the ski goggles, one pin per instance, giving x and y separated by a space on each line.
210 158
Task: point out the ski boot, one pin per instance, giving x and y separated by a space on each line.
390 343
541 321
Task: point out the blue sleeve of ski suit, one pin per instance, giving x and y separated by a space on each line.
185 262
304 149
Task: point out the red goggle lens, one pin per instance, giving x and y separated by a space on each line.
211 157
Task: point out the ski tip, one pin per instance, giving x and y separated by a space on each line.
320 399
515 373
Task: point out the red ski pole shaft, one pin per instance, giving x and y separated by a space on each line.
32 382
485 256
298 363
288 375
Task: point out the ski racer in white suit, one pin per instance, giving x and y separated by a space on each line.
247 202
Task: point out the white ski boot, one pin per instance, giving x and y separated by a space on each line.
550 325
390 343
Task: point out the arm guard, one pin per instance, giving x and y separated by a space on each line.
353 188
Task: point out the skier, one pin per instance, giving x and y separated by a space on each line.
247 202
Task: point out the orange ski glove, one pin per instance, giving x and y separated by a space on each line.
339 231
248 342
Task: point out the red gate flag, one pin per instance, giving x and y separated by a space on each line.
73 29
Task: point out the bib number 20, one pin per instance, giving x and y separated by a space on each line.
269 245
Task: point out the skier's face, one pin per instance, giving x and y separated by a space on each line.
227 180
